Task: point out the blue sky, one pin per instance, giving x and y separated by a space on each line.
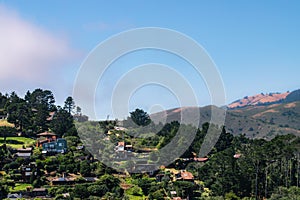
255 44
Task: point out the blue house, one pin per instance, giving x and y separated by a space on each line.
57 146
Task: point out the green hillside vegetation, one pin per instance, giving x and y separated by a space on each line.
263 169
255 156
17 142
19 187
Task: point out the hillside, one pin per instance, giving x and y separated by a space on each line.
293 96
260 99
263 121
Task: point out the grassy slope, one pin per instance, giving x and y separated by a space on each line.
25 141
19 187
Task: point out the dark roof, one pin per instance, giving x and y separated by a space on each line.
14 196
62 179
91 179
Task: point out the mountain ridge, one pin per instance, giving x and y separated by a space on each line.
259 99
260 120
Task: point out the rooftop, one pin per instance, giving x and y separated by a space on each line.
39 190
24 149
46 134
176 198
51 115
121 143
200 159
237 156
187 175
23 154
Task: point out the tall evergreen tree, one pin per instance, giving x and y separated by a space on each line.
69 105
18 111
140 117
62 122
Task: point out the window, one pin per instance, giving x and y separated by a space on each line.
28 173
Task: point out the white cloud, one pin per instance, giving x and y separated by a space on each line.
29 52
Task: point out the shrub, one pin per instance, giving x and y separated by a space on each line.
231 196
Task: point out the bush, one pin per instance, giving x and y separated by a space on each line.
231 196
3 190
12 165
135 190
284 193
85 168
158 195
97 190
145 184
95 198
80 191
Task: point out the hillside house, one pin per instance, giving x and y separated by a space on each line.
14 196
181 175
24 152
64 180
30 193
185 176
27 170
128 147
39 193
121 147
45 138
58 146
80 118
